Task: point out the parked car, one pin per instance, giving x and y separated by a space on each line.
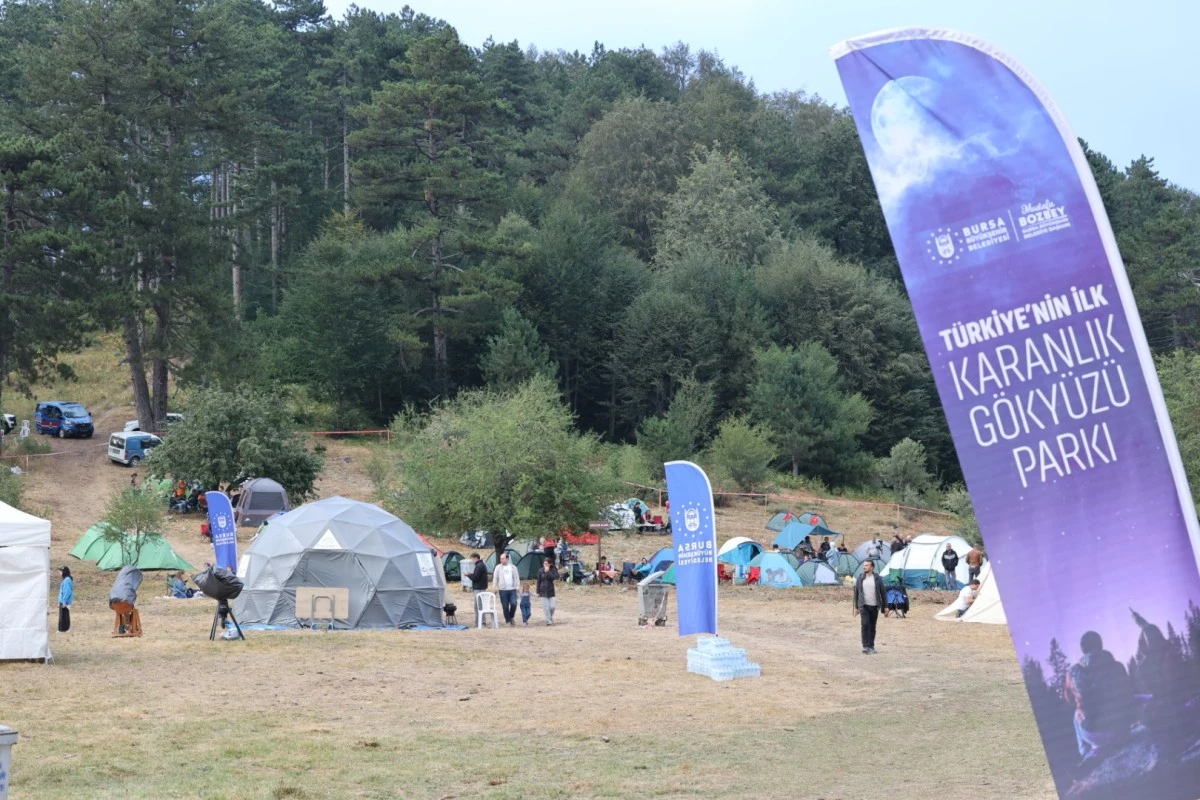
63 419
135 425
129 448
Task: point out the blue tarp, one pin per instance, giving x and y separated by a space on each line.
795 532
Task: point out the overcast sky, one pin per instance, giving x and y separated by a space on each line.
1126 74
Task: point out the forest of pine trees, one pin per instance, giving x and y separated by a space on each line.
371 214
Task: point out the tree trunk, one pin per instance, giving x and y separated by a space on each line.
137 366
160 364
345 149
235 255
795 465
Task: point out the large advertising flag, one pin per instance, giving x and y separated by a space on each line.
695 538
223 528
1050 391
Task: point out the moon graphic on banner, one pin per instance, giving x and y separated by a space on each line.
906 127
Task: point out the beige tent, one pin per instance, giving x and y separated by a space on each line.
987 606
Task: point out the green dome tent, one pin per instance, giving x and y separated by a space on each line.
156 553
92 545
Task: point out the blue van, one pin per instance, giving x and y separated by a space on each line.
131 448
63 419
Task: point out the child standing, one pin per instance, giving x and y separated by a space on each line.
526 605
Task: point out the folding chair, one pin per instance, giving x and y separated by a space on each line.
485 603
627 572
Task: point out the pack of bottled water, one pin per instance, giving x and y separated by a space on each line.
715 657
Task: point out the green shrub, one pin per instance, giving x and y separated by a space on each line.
12 487
741 453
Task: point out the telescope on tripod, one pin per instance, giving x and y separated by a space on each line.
223 586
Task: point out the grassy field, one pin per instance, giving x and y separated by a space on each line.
593 707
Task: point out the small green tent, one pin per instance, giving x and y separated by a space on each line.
156 553
92 545
530 565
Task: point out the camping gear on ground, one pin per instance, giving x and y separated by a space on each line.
578 575
895 600
223 586
391 578
122 599
155 553
653 596
716 658
24 585
922 560
451 611
987 607
261 499
480 540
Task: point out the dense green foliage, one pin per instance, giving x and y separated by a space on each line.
741 454
377 216
230 437
508 462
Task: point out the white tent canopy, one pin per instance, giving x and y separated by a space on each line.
734 542
924 555
987 607
24 585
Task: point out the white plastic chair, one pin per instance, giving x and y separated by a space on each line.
485 603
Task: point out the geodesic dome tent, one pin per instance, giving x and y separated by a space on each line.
392 578
261 499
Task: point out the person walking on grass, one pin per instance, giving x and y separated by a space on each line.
66 596
868 599
545 589
508 581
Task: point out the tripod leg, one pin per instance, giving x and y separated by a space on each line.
236 627
213 633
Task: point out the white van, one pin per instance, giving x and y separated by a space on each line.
131 448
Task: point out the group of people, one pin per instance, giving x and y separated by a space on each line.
513 591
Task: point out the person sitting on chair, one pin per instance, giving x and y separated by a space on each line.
605 571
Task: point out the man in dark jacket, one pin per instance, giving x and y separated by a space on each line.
868 599
479 579
949 564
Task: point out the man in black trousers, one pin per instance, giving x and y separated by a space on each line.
868 599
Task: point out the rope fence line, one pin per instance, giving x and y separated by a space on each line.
897 506
26 456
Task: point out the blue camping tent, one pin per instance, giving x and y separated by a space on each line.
816 573
739 551
795 532
776 569
659 562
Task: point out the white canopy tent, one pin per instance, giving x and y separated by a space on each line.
987 607
923 558
24 585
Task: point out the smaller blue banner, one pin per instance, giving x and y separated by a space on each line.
695 537
224 530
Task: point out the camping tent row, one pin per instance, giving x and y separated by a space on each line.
24 585
336 547
779 570
112 549
528 565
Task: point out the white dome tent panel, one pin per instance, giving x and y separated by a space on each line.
341 543
24 585
923 557
987 607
